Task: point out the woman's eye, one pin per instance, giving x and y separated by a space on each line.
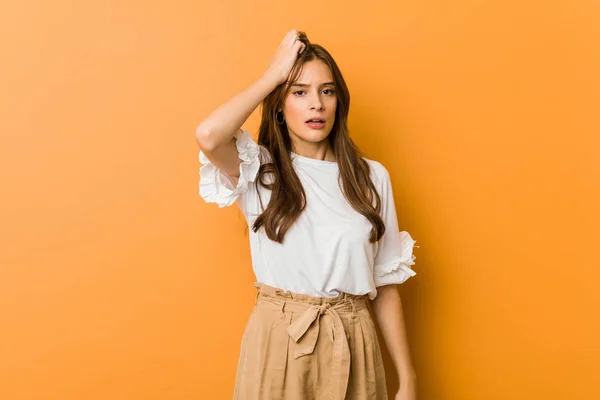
331 91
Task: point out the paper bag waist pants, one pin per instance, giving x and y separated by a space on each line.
301 347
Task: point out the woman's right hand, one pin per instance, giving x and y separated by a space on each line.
285 57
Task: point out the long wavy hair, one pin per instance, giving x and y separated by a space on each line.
288 198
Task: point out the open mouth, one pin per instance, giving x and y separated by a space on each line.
316 123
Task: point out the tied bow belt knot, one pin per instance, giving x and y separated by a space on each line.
305 332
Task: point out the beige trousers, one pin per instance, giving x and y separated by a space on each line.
301 347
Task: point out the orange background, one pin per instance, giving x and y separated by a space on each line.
118 282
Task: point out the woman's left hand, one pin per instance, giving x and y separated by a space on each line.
406 392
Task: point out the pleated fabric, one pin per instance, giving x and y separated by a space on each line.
301 347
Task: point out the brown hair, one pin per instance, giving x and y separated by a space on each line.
288 198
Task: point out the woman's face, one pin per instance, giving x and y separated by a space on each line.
312 96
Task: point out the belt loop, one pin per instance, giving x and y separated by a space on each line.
256 298
354 313
282 307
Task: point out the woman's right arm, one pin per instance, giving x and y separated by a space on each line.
215 134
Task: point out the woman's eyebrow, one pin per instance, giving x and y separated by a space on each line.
307 85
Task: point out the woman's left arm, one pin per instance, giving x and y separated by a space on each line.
387 308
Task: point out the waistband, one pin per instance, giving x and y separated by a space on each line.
317 313
273 293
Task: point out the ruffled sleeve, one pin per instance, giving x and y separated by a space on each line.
216 186
394 256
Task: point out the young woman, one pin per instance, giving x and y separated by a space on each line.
324 235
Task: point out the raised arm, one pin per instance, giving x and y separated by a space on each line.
215 134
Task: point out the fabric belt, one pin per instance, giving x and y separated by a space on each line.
305 331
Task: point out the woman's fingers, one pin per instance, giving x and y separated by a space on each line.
284 58
291 37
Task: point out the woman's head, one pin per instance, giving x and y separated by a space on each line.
283 129
315 89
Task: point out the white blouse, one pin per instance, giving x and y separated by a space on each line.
327 250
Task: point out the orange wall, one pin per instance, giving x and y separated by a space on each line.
118 282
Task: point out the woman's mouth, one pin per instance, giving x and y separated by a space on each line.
315 123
